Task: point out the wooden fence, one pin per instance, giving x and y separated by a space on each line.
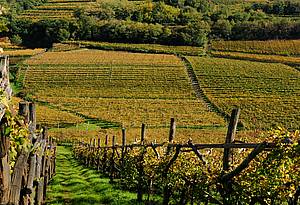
90 154
26 181
33 169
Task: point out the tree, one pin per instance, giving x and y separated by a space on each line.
221 29
195 33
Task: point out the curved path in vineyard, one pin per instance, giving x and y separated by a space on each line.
75 184
199 92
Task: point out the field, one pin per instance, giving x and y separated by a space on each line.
115 89
267 93
107 74
142 48
56 10
274 47
289 60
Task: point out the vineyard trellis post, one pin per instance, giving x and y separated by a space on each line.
140 166
32 115
166 189
230 137
123 147
112 162
171 134
24 110
143 132
98 152
104 168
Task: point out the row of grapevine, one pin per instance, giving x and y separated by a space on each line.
59 9
275 47
201 173
267 93
141 48
118 87
289 60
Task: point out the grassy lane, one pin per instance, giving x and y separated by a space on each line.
75 184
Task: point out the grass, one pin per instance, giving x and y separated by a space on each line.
75 184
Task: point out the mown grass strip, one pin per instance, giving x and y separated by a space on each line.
75 184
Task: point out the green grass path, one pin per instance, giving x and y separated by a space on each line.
76 184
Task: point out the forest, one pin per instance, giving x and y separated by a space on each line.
170 22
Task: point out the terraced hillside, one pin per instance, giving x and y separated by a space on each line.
267 93
276 51
121 88
56 9
275 47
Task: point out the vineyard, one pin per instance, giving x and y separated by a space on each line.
61 9
88 95
288 60
267 93
150 102
194 173
107 74
273 47
122 89
140 48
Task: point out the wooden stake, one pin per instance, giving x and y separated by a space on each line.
171 134
143 132
32 116
105 155
172 130
24 111
112 163
123 146
230 137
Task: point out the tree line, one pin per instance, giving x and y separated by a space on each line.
172 22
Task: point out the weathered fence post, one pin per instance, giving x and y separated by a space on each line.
143 132
105 155
230 137
24 111
123 147
166 191
32 115
19 177
112 162
98 153
5 181
140 166
94 154
171 134
40 169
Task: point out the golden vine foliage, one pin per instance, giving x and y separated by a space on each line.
271 178
15 130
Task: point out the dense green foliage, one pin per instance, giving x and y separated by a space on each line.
291 7
165 22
